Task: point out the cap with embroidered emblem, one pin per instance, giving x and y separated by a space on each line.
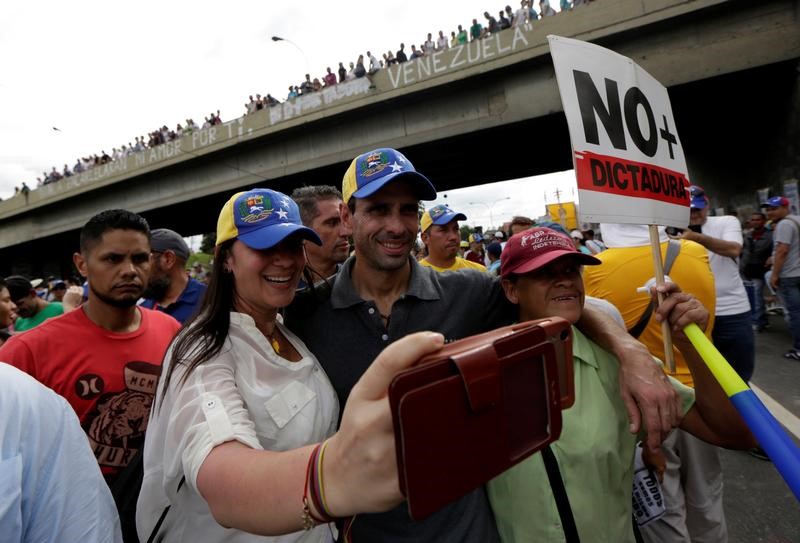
439 215
535 248
369 172
261 218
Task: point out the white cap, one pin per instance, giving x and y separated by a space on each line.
499 234
577 234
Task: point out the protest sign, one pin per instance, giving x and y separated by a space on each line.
629 161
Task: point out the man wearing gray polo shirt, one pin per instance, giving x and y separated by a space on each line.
786 265
381 294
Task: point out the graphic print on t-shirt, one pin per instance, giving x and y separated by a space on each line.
117 424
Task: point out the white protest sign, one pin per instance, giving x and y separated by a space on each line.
629 161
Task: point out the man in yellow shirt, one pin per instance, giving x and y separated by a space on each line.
440 234
692 485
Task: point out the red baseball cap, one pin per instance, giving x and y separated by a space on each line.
536 248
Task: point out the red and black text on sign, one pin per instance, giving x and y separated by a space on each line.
621 177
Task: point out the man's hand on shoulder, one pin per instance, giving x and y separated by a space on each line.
649 397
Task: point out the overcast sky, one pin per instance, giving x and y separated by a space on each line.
105 72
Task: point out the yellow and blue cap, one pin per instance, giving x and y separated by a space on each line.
441 214
369 172
261 218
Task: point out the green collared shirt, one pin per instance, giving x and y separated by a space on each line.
595 456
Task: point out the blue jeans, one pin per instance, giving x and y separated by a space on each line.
789 288
755 292
733 337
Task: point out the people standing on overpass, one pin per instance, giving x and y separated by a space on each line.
329 78
546 9
476 30
462 37
442 42
31 309
491 25
401 54
169 288
428 47
522 15
503 22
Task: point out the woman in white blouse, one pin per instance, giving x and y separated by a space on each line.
242 403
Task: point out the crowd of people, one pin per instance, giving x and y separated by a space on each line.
366 65
241 410
153 139
363 66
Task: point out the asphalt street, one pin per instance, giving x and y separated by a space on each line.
759 507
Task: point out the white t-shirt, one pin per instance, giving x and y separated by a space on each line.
731 296
246 393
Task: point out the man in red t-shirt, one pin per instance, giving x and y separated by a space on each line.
105 356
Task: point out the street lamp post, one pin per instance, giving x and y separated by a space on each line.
278 38
489 207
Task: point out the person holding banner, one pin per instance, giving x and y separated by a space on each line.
692 480
541 273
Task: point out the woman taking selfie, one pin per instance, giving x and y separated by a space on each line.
241 437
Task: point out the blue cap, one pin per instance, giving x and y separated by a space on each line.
261 218
699 200
776 201
369 172
441 214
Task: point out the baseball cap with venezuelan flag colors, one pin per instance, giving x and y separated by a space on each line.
369 172
439 215
261 218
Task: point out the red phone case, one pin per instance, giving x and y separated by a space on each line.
480 405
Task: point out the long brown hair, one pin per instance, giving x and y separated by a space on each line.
203 336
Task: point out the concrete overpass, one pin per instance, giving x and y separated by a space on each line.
486 111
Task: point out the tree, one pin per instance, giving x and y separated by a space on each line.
207 245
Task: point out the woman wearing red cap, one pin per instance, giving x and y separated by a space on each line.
541 273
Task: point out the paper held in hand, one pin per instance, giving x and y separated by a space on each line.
629 161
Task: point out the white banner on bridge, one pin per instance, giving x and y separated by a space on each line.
628 158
